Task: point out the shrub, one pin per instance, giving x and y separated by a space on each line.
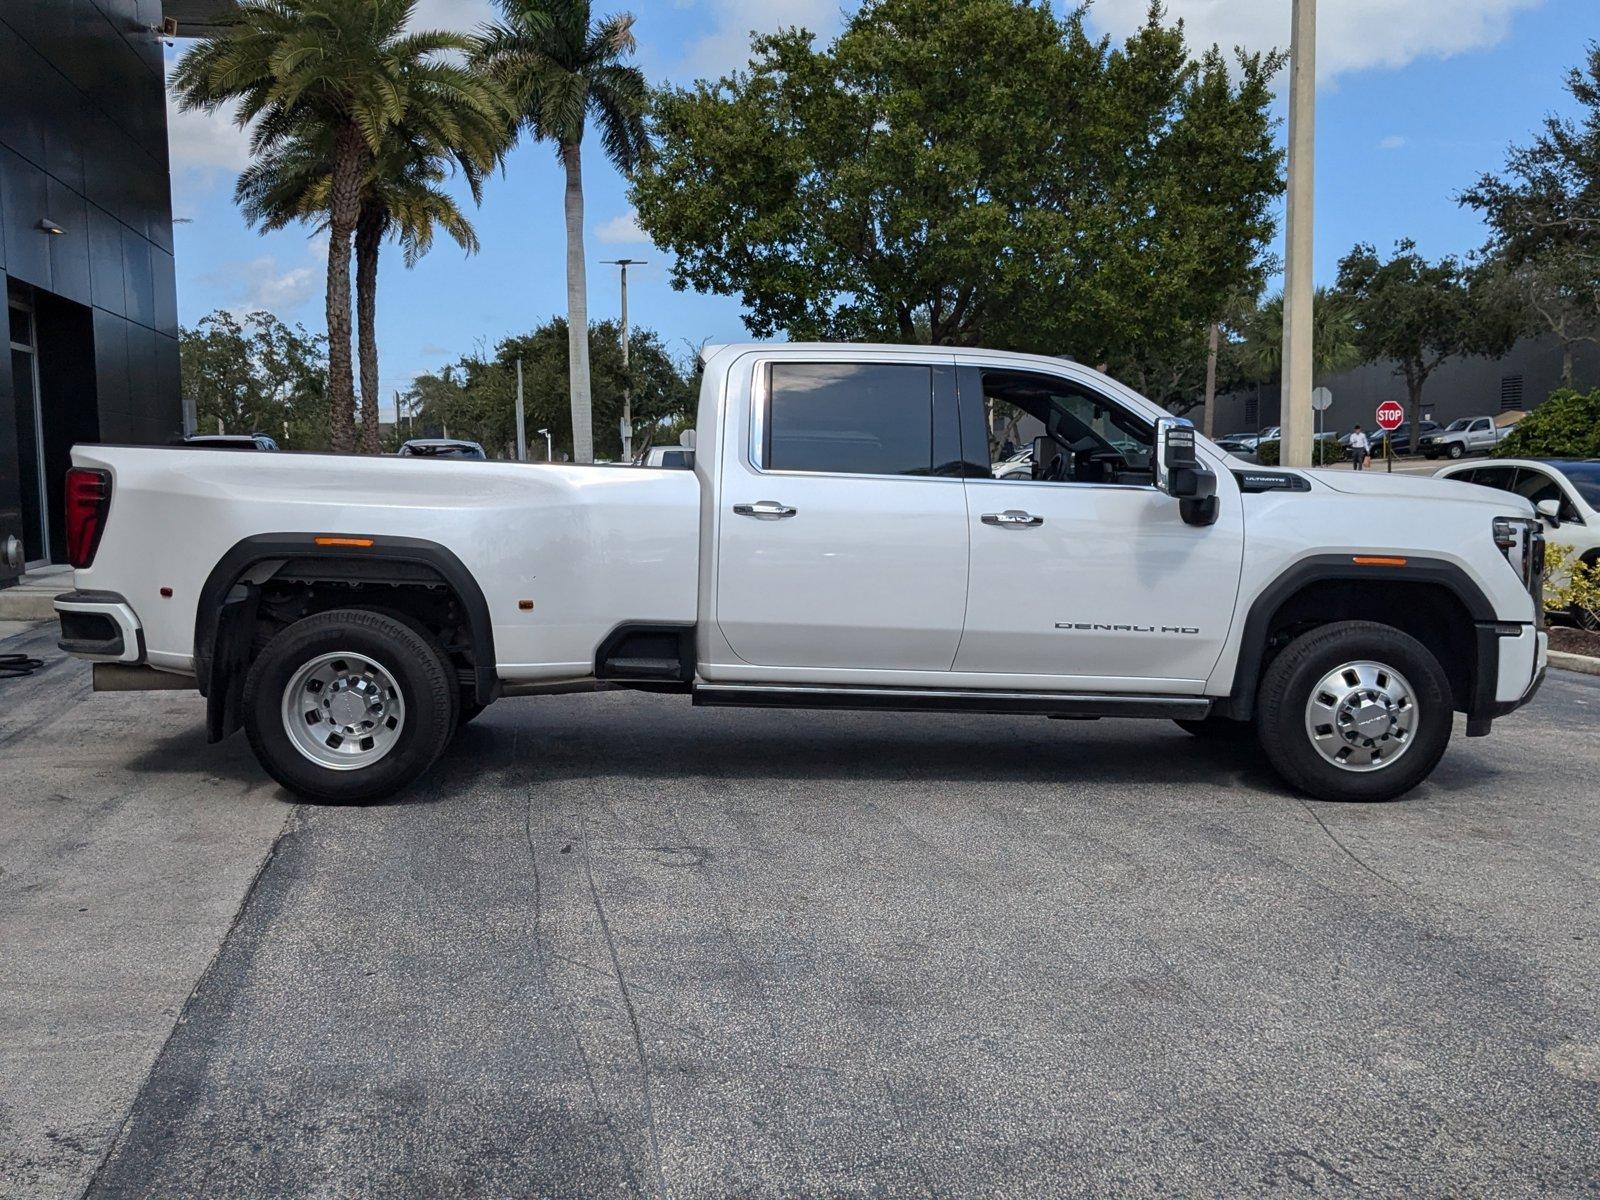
1322 453
1571 586
1567 425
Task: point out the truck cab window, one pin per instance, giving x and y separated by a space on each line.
1086 438
849 418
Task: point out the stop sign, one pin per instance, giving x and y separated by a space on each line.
1390 415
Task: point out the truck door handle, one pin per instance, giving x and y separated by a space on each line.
1012 518
764 510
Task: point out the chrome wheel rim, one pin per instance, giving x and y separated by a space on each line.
1362 716
343 711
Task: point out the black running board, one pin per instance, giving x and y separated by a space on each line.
1048 704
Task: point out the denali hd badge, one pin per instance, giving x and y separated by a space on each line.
1095 627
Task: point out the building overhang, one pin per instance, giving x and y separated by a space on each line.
198 18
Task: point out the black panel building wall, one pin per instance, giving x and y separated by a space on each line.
85 238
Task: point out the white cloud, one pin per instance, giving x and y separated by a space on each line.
1352 35
262 283
1393 142
206 141
727 47
621 231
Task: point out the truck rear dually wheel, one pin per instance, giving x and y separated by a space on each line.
349 706
1354 710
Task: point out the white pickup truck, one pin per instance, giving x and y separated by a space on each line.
841 542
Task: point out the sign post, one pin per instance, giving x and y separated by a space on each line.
1390 417
1321 401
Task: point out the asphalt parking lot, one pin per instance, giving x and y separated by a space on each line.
617 945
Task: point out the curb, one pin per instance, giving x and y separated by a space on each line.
27 604
1584 664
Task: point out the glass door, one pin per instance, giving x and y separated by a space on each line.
30 442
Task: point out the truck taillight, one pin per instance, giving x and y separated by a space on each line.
88 502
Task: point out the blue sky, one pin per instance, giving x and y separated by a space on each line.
1416 98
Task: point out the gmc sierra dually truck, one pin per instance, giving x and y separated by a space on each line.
840 542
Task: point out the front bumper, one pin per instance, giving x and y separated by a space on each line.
1512 660
99 627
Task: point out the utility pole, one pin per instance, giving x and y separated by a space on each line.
522 434
1294 415
627 388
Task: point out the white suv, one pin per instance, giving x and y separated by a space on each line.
1566 493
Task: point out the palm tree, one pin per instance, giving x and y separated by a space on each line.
559 69
401 196
340 72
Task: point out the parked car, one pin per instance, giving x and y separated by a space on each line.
1239 443
229 441
1017 466
1468 435
1566 494
350 613
441 448
1400 439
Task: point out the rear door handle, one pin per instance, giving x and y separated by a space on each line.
764 510
1012 518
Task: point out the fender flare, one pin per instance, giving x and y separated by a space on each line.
1323 568
220 641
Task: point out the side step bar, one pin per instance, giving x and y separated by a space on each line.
1049 704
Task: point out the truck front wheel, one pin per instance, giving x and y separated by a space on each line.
1354 710
349 706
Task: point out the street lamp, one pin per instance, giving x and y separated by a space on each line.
1294 410
627 388
549 451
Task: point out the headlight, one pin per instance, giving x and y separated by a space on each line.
1521 540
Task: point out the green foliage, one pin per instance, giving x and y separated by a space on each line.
1571 585
560 69
968 172
1544 215
256 375
1324 452
1418 313
1567 425
475 397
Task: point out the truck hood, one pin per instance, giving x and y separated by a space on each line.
1423 488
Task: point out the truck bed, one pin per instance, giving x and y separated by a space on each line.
586 547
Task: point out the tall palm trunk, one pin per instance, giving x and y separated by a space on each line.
577 310
344 205
369 238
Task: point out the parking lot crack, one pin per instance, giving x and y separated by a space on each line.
1351 854
627 1004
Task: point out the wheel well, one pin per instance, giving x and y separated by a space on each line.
1429 612
415 592
267 583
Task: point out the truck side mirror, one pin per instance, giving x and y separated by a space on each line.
1045 452
1180 473
1550 510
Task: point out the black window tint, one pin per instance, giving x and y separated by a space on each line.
1495 477
851 418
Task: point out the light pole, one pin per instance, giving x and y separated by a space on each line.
549 448
627 388
1294 414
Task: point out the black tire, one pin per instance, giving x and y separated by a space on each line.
1286 689
1457 450
411 657
1219 729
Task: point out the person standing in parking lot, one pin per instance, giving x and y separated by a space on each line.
1359 448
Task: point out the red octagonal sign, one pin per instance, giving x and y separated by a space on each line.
1390 415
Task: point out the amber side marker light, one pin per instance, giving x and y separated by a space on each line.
1369 560
342 541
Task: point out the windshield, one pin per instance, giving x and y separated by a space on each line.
1454 426
1585 480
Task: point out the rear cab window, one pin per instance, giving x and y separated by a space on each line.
848 418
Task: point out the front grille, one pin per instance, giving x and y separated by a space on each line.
1535 552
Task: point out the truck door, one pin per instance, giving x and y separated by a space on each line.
841 520
1086 571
